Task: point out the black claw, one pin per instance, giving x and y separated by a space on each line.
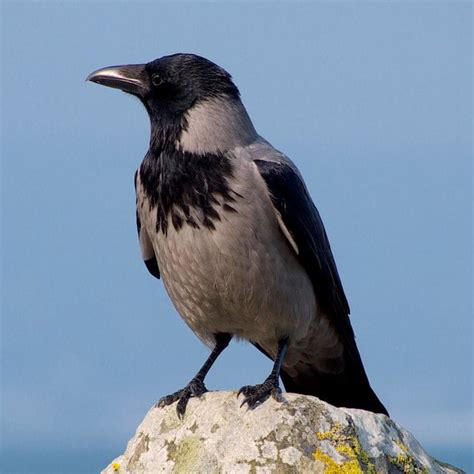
256 394
195 388
169 399
248 390
181 406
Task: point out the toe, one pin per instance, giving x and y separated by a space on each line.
197 388
254 400
277 395
249 390
245 390
181 406
257 394
168 400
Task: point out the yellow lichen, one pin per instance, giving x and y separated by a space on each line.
115 466
405 461
347 450
333 467
348 445
334 434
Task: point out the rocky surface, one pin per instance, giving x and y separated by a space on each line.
302 435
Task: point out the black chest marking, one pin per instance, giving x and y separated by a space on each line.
187 189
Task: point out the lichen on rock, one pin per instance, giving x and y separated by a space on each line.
347 444
302 435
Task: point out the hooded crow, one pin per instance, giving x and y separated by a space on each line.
227 222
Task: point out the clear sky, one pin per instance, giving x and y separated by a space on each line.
374 104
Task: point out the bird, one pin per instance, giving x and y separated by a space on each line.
227 222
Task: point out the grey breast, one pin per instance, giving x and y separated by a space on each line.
242 277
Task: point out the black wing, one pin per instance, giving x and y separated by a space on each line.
301 219
303 227
146 247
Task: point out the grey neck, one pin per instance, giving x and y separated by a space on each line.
216 126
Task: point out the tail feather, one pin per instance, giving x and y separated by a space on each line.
349 389
337 390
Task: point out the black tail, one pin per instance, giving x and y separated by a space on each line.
338 390
350 389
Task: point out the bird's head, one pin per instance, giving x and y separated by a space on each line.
170 84
183 92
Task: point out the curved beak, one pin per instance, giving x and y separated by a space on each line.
131 78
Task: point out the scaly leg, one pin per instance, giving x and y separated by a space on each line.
196 387
257 394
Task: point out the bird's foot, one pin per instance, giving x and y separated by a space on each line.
257 394
195 388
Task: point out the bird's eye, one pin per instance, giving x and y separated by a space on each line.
157 80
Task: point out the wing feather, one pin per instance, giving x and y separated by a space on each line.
146 246
300 219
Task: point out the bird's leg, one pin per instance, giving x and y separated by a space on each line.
257 394
196 387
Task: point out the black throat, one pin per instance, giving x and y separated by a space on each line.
185 188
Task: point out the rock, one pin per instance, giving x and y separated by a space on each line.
302 435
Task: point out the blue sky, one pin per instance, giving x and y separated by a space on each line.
372 101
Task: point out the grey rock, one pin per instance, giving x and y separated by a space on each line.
302 435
